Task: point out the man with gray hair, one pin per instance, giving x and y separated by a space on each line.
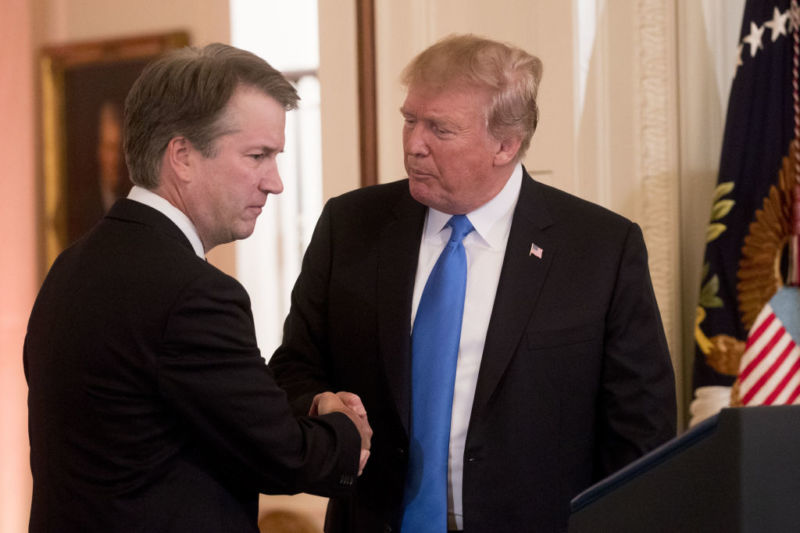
502 334
150 406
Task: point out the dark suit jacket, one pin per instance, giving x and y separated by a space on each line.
150 407
575 379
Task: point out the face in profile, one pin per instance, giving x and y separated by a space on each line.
449 154
229 188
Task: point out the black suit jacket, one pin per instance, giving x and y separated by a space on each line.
150 407
575 379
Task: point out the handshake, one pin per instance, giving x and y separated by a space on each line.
349 404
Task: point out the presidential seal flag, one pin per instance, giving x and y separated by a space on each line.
746 259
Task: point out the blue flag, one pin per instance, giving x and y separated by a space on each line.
743 240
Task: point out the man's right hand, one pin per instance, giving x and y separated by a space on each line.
349 404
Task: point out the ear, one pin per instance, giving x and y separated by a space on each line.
507 151
177 158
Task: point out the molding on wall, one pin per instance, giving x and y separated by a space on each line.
657 157
596 126
367 93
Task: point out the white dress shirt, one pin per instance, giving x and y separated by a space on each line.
162 205
485 248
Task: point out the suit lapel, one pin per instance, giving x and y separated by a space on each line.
398 253
521 280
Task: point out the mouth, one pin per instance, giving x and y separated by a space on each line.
418 174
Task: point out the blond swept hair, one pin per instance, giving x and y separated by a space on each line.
511 74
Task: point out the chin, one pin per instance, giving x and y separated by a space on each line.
426 197
244 234
420 192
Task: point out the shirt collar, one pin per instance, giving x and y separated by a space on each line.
492 220
178 217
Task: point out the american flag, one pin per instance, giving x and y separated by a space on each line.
535 250
770 367
758 130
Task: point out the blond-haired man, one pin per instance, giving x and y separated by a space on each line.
558 373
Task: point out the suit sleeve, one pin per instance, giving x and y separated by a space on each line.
637 410
301 363
211 373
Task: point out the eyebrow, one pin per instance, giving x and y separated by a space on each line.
268 149
437 118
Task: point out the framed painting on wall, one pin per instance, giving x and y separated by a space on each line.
84 86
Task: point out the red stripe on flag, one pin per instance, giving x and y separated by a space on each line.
763 353
793 396
765 377
753 337
789 375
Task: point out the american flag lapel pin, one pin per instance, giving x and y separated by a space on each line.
536 250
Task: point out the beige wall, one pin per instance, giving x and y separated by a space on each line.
338 79
66 20
18 265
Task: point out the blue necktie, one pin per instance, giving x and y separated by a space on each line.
434 352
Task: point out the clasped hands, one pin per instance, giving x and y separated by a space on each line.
349 404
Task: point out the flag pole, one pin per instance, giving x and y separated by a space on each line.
793 278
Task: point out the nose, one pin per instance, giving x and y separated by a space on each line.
414 143
271 182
